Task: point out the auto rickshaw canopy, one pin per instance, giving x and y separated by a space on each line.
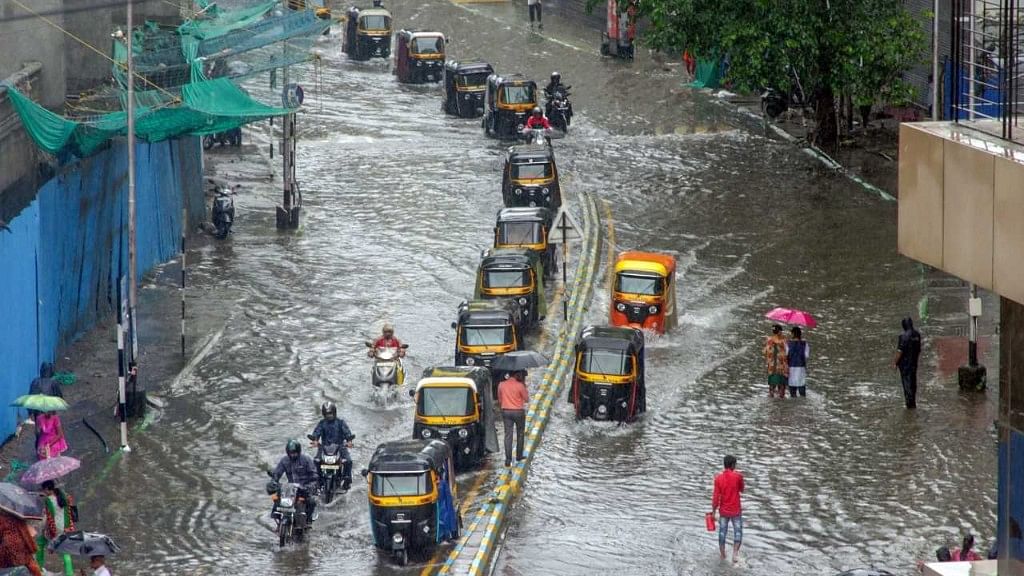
510 259
479 378
628 341
513 91
410 456
423 44
457 70
372 16
663 265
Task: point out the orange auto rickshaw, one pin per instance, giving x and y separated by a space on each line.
643 292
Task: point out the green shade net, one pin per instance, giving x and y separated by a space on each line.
205 107
225 21
708 74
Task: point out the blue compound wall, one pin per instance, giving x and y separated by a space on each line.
60 261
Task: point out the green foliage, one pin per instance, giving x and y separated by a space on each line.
855 47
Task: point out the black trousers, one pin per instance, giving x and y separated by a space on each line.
908 377
535 8
513 419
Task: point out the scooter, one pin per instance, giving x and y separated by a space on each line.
331 467
559 109
289 512
388 372
223 212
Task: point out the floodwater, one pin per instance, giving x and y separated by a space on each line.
399 201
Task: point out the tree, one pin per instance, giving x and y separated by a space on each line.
858 48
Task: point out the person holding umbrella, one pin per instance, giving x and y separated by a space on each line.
797 353
96 546
18 548
50 441
776 362
61 514
513 396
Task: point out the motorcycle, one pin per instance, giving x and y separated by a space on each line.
231 138
331 465
541 136
289 512
223 212
559 109
388 372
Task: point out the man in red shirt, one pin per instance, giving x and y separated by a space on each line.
538 121
387 340
726 499
513 397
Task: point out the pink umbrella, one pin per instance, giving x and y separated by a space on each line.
790 316
49 469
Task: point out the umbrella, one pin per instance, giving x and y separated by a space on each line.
49 469
41 403
790 316
84 544
19 502
16 571
519 360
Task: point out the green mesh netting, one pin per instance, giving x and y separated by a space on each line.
708 74
205 108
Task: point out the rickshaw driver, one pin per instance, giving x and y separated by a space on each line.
538 120
387 340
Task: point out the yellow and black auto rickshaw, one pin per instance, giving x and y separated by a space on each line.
507 105
527 228
367 33
530 178
317 6
464 87
644 291
420 57
456 404
513 273
486 329
413 497
608 379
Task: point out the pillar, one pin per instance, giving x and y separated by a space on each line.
1011 438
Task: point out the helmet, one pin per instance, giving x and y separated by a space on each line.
556 77
536 111
293 449
329 408
388 328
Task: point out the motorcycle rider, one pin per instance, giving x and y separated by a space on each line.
538 120
549 91
300 469
387 340
334 430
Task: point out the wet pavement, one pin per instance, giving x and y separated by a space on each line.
399 201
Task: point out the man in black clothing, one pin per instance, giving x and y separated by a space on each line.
908 351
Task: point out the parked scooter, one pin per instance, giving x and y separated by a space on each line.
388 372
559 109
332 467
231 138
223 211
289 512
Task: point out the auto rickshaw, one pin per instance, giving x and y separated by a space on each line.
528 228
464 87
317 6
456 404
367 33
507 105
530 177
420 57
515 273
644 293
619 36
485 329
413 497
608 379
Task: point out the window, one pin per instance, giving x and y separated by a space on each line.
486 335
375 23
428 45
518 233
401 484
635 284
476 80
518 94
445 402
611 362
505 279
531 171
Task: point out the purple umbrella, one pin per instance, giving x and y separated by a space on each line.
49 469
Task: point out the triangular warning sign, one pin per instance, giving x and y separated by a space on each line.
565 228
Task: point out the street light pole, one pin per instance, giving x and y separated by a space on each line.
936 113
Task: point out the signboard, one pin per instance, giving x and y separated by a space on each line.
565 229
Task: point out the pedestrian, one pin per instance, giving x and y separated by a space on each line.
98 565
535 8
776 362
513 397
60 516
50 440
797 353
726 500
965 553
908 352
44 384
19 544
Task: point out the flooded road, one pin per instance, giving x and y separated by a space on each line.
399 201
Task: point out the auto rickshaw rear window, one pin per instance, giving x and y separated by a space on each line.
374 22
610 362
639 284
445 402
486 335
428 45
506 279
517 233
531 171
518 94
401 484
472 80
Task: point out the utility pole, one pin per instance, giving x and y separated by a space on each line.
936 112
132 253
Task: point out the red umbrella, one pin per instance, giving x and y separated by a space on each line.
790 316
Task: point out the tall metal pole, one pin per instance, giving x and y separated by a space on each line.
936 86
132 264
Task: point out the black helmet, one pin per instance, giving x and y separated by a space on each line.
536 111
556 77
328 408
293 448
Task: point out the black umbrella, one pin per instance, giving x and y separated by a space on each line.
520 360
19 502
84 544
